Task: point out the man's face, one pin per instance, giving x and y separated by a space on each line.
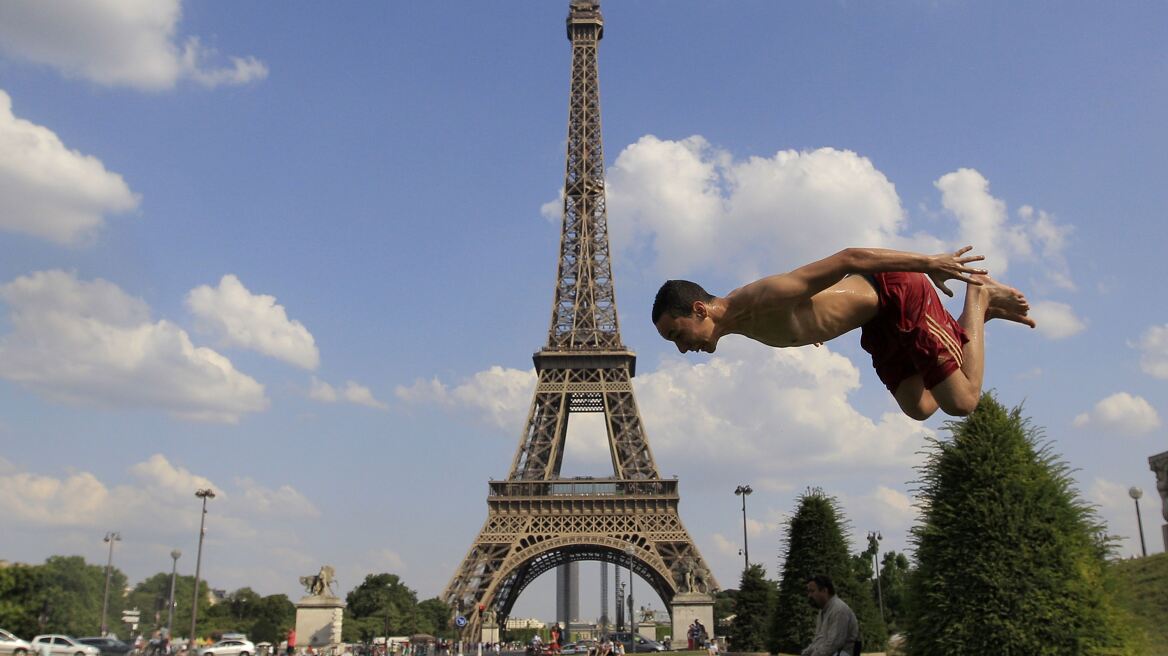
692 333
816 596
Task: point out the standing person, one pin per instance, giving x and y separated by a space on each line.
925 357
837 631
291 642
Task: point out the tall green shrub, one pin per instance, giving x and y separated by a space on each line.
816 543
1009 559
753 607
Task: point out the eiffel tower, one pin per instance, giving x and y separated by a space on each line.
537 521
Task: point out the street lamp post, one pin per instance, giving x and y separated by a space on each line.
170 609
744 491
620 606
875 536
630 550
111 538
205 494
1135 493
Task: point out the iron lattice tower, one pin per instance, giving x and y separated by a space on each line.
537 521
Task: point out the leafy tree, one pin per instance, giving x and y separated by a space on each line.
894 575
74 590
752 610
1010 560
381 604
22 599
273 616
433 616
816 543
146 595
724 602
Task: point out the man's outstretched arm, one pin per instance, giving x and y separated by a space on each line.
810 279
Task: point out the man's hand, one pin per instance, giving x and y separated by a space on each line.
952 266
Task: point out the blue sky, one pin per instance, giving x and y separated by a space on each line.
303 256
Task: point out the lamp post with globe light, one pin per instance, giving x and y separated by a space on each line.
111 538
1135 493
174 555
874 536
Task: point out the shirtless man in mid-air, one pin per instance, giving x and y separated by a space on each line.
926 358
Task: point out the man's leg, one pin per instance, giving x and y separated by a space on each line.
914 400
959 394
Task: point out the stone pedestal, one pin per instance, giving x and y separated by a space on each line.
490 634
687 607
318 621
647 630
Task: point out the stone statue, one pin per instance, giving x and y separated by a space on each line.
488 617
320 584
1159 463
701 577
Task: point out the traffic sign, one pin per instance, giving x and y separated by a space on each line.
460 621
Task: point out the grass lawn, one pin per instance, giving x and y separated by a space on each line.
1143 591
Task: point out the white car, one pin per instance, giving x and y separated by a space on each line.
63 645
10 644
229 648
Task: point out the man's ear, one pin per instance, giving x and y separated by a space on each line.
699 310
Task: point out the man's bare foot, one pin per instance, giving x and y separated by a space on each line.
1005 302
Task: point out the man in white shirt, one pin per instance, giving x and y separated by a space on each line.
836 629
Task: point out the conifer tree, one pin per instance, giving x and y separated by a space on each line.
753 607
1009 559
816 543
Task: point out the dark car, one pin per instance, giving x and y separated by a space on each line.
643 644
108 646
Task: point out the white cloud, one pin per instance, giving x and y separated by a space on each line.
254 530
766 410
694 207
499 395
116 43
158 489
691 207
253 321
1056 320
724 546
49 191
352 392
284 501
1153 347
90 341
981 218
1120 413
771 410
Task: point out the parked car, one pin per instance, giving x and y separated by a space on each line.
643 643
63 645
107 646
10 644
229 648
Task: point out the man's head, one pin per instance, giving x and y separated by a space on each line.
681 315
820 590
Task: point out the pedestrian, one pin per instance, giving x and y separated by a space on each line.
837 632
291 642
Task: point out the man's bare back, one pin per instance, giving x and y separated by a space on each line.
853 289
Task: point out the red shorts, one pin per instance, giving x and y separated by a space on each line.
912 333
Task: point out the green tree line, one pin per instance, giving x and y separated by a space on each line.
64 595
